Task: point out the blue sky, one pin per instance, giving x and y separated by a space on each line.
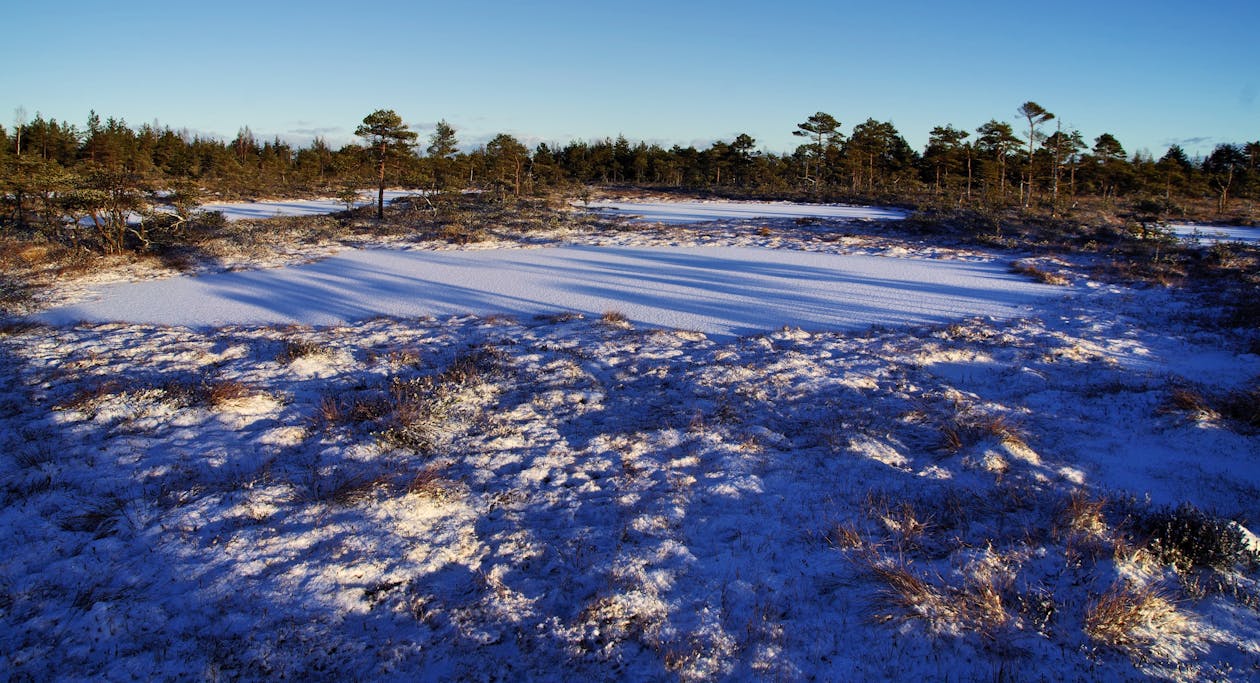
1151 73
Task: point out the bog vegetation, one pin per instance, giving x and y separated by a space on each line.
55 175
69 194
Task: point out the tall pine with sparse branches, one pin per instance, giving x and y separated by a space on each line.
388 139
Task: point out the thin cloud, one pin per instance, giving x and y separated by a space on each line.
317 132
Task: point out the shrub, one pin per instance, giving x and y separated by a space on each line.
302 348
1187 537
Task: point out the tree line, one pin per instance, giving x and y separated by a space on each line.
105 170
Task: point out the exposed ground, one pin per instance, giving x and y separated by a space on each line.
492 498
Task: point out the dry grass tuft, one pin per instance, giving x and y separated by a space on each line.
430 484
1039 274
1187 400
221 392
844 536
346 486
1136 621
978 606
1241 406
87 398
1081 516
967 427
615 319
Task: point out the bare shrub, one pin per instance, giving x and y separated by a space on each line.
100 518
417 409
563 317
302 348
1243 406
330 411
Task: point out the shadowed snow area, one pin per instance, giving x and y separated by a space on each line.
721 291
691 212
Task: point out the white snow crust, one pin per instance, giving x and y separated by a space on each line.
720 291
590 498
1206 233
691 212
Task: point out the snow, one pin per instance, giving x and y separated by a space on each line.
1206 233
691 212
236 211
719 291
594 499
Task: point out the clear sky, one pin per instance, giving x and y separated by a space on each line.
685 72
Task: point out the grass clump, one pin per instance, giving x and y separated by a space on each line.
978 605
615 319
1136 621
1241 407
1039 274
297 348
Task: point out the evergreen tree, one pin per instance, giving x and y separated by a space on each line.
1223 166
1036 115
506 158
388 139
997 140
945 153
823 130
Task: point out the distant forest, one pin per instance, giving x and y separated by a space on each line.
53 170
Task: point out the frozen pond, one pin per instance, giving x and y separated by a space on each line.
721 291
692 212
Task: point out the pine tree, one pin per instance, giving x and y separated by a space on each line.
388 139
1036 115
824 131
442 143
998 139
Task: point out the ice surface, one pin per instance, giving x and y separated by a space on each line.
721 291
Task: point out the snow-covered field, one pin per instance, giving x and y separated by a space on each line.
691 212
548 495
1211 234
720 291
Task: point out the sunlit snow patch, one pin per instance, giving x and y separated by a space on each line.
1213 234
692 212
